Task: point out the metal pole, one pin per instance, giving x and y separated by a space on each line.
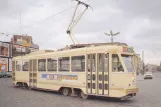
20 23
111 38
112 35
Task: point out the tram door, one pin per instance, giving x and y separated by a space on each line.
98 74
103 74
33 73
91 74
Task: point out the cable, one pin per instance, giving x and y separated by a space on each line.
53 16
42 20
50 16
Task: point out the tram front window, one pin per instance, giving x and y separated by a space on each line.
116 64
128 62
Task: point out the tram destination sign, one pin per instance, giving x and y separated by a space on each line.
126 49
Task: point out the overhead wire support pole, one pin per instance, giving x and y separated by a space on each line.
74 20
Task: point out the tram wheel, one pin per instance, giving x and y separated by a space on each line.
18 85
65 91
84 96
25 86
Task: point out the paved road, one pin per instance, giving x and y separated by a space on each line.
149 96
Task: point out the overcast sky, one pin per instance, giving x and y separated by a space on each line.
138 21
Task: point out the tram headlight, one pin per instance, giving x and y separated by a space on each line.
133 78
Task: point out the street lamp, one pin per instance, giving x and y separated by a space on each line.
112 34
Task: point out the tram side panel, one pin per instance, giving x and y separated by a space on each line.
55 73
27 71
123 82
20 72
21 76
118 89
55 81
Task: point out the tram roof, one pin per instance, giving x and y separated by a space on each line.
76 47
97 44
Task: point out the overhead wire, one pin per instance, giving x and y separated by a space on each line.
53 16
43 20
42 43
49 17
46 19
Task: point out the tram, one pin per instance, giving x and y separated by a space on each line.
81 70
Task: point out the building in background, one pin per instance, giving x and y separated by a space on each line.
159 67
19 45
5 58
22 40
138 63
151 68
34 47
23 45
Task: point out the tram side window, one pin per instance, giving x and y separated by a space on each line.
42 65
25 65
116 64
18 65
78 63
91 63
64 64
52 64
100 62
103 62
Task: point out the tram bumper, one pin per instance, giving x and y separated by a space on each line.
130 93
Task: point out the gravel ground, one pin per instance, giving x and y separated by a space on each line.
148 96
